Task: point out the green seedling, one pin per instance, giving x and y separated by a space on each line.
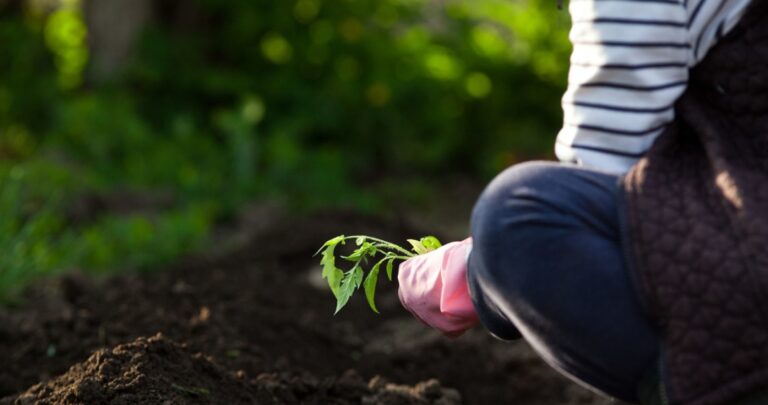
369 250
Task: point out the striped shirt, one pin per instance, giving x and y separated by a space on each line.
629 65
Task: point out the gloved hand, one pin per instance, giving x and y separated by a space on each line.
433 287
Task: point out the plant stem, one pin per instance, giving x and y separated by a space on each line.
398 257
385 243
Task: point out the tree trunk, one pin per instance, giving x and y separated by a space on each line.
114 26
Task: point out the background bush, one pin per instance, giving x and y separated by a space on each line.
313 102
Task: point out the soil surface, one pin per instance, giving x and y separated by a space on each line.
252 323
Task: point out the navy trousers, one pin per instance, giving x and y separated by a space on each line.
547 265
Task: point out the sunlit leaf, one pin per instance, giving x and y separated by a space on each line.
346 289
357 276
367 249
343 284
330 271
430 243
417 246
370 286
331 242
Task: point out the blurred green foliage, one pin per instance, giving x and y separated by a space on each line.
313 101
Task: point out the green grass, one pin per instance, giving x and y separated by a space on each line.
38 239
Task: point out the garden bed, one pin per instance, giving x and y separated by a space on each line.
253 323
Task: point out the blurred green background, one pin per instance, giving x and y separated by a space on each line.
128 128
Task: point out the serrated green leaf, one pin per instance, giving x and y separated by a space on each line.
372 250
417 246
334 281
357 276
330 272
328 260
343 284
430 243
370 286
331 243
346 289
367 249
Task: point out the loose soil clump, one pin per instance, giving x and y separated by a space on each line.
157 370
253 324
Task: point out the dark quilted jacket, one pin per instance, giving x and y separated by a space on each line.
697 216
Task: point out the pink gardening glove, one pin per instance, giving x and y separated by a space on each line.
433 287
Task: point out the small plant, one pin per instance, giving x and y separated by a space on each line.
369 250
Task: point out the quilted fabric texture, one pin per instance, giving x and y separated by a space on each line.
697 211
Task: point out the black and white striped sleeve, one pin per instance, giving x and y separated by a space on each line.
629 64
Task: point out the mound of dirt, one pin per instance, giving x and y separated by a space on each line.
153 370
264 328
157 370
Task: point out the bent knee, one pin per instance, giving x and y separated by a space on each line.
536 175
536 194
498 206
498 198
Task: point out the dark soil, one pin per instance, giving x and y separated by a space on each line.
253 324
156 370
